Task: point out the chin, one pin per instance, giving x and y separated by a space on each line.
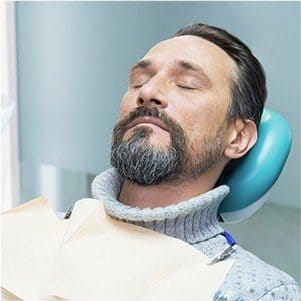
160 143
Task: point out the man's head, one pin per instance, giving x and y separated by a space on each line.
206 92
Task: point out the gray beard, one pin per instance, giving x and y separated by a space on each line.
139 162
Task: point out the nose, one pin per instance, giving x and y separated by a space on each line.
152 94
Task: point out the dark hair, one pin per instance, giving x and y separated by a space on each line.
248 88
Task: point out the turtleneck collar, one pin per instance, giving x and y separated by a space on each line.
193 220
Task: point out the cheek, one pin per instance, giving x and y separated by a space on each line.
208 115
195 115
128 103
199 126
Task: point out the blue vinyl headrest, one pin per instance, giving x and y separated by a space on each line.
256 172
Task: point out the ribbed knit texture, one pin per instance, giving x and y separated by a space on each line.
195 222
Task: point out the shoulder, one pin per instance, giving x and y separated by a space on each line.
251 278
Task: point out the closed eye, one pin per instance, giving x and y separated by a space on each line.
186 87
137 86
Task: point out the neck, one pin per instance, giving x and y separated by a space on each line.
165 194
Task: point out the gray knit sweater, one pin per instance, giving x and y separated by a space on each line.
195 222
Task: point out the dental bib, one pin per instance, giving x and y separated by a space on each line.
90 256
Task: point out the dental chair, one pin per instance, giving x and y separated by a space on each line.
255 174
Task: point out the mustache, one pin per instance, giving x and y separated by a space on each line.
146 112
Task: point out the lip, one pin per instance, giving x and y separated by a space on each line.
150 120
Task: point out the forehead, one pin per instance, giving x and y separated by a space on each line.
216 63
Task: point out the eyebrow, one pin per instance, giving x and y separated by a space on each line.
142 64
186 65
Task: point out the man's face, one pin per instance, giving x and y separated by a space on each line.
183 85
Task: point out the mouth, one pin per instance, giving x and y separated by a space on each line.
149 120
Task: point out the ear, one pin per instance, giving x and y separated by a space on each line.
242 138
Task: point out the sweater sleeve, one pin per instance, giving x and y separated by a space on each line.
289 292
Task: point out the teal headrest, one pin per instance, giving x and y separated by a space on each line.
256 172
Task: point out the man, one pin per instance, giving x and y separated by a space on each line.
193 107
